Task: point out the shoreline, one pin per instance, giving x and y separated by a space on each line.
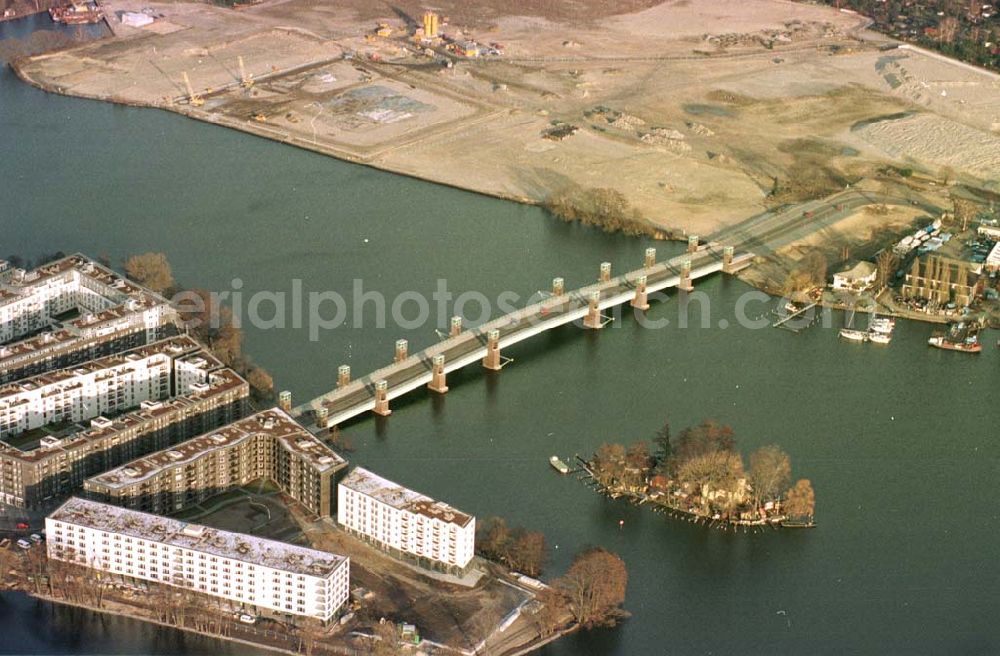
133 614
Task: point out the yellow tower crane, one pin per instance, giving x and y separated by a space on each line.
193 99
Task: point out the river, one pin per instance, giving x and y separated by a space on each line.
900 442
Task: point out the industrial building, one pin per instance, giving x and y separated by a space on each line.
56 465
70 311
404 522
269 445
249 572
103 387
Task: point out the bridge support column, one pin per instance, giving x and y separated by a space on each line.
402 346
492 359
456 326
382 399
692 243
650 257
558 287
685 283
343 375
605 272
322 414
727 259
593 319
285 401
437 383
640 302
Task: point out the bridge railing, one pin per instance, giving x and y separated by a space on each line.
527 312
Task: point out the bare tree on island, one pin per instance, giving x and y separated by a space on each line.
770 473
800 501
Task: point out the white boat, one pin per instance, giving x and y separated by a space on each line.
884 326
559 465
879 338
854 335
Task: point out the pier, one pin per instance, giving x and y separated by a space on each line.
484 344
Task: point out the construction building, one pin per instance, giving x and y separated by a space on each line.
57 464
431 24
404 522
104 387
941 280
252 574
70 311
267 445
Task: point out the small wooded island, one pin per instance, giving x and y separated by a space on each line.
699 475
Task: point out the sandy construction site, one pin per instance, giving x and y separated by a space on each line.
699 112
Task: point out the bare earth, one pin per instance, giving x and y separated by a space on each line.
700 112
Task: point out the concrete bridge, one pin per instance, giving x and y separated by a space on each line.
484 344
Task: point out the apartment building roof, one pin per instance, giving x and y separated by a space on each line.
236 546
220 383
395 495
126 299
274 423
172 346
17 287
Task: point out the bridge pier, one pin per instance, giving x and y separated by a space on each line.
605 272
437 383
492 360
650 258
692 243
322 413
558 287
727 259
285 401
456 326
640 301
402 346
343 375
685 283
593 320
382 399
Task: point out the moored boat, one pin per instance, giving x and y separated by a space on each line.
879 338
854 335
969 345
75 14
559 465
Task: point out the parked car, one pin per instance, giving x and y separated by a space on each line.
24 544
248 619
36 538
22 526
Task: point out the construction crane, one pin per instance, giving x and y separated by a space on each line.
246 81
193 99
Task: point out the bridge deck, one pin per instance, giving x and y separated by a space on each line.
470 345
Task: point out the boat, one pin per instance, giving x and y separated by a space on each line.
882 325
75 14
879 338
854 335
968 345
559 465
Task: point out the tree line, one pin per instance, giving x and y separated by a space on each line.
591 591
209 322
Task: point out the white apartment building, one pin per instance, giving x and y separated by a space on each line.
106 301
403 521
103 387
72 310
250 572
